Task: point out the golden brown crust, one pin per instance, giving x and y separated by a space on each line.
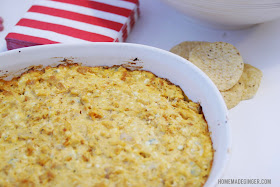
93 126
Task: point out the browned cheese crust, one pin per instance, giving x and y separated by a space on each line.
73 125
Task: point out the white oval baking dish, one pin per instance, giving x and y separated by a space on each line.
196 85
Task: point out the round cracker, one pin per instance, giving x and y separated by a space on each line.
251 77
234 95
183 49
221 61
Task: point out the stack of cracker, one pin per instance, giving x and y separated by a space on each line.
224 65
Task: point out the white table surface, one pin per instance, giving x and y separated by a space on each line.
254 123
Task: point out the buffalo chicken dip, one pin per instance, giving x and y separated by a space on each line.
74 125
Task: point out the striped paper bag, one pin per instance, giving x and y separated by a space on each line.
74 21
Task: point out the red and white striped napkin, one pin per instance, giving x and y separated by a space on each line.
74 21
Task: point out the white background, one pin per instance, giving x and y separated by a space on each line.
255 123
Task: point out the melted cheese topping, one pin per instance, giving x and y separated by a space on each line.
95 126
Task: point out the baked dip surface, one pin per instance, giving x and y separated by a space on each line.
94 126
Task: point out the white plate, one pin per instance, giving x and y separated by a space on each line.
196 85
